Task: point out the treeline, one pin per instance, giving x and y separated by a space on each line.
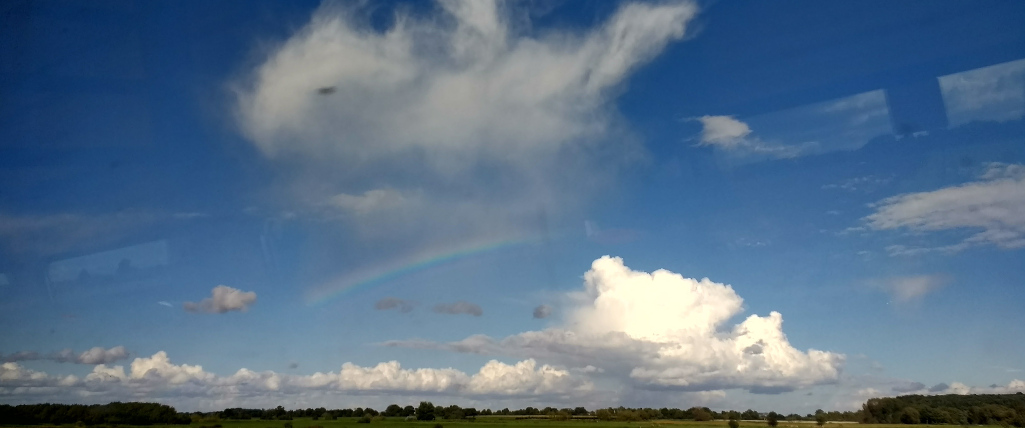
988 409
428 411
115 413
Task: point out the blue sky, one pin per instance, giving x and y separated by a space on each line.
260 203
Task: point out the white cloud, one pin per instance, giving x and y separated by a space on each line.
723 131
96 355
663 331
464 118
157 377
994 93
995 203
465 82
733 136
459 307
909 288
223 299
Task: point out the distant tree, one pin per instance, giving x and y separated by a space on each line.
425 412
603 414
363 420
734 424
579 411
749 415
393 410
408 411
627 416
701 414
821 419
910 415
772 419
358 412
560 416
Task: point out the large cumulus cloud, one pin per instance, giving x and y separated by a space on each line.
661 330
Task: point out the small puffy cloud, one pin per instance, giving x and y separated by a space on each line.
157 377
388 303
96 355
661 331
163 303
994 205
542 311
223 299
909 288
733 136
459 307
723 131
939 387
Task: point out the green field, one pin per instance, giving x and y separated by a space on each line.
501 422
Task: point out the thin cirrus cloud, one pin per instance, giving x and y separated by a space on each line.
995 93
993 206
440 97
662 331
458 308
223 299
911 288
96 355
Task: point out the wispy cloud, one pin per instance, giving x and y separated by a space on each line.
868 183
995 203
459 307
994 93
434 108
96 355
910 288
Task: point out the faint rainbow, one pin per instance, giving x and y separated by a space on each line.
367 279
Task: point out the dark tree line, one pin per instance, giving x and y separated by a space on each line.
988 409
1006 410
115 413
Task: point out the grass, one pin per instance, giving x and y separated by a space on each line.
504 422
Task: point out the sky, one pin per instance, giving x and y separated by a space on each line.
778 206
